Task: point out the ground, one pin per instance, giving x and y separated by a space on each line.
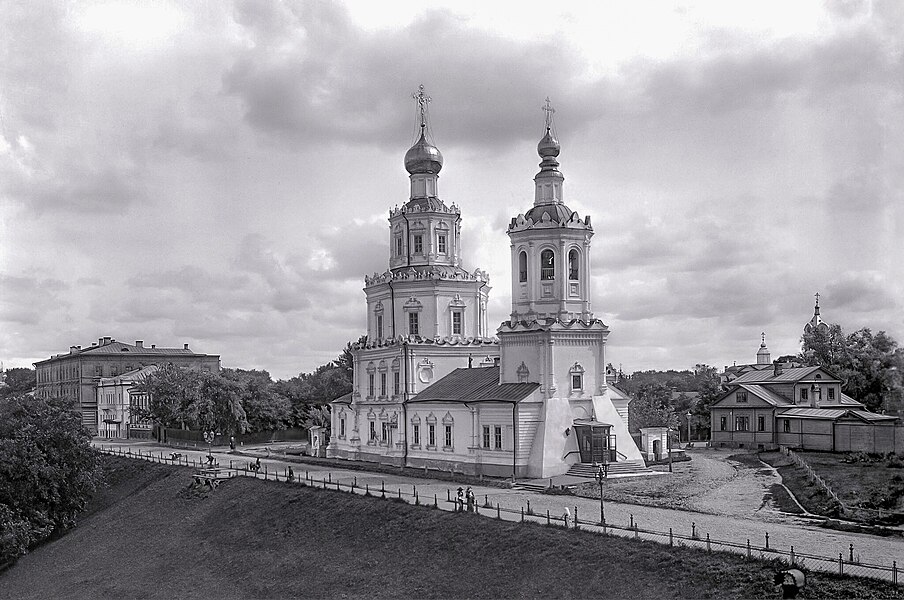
153 535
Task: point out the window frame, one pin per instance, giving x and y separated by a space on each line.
486 437
418 243
522 267
458 322
441 246
760 423
414 325
574 265
447 436
498 441
547 264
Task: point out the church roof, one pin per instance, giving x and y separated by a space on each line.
480 384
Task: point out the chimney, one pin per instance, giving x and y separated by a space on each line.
153 345
139 343
107 340
185 346
778 369
73 349
100 341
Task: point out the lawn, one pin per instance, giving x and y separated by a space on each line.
152 535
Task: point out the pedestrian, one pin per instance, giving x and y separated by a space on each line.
291 474
257 464
232 442
459 501
469 497
566 516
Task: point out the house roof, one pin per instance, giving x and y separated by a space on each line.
833 414
344 399
768 376
133 376
480 384
764 393
120 348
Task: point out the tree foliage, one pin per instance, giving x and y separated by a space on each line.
652 407
48 471
870 365
18 381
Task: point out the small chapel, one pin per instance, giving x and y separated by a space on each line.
432 389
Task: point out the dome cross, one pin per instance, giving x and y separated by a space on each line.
549 110
422 100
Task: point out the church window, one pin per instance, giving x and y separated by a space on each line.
722 423
385 432
486 436
497 437
396 383
761 423
379 327
382 384
831 393
370 385
547 265
441 244
573 265
431 435
373 431
398 245
456 322
803 394
448 436
418 244
416 433
522 267
577 382
741 396
413 324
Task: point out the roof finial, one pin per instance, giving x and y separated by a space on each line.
817 304
763 335
548 109
422 100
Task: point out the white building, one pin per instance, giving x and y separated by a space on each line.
544 407
117 401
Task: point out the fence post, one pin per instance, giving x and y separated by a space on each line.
840 565
631 526
498 514
329 476
382 489
528 506
748 547
693 530
522 514
671 539
894 571
547 516
435 503
767 540
708 548
448 495
792 556
851 555
636 533
355 482
575 517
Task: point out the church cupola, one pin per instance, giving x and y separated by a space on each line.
816 322
423 161
763 357
550 247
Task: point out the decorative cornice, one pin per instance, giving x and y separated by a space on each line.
434 341
574 221
431 204
426 273
552 325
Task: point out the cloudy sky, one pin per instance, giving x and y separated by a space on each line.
220 173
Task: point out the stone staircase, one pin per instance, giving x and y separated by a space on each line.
621 468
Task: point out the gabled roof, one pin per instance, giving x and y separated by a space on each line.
122 347
765 394
786 376
844 402
344 399
480 384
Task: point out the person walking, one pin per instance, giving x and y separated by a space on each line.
460 501
566 516
469 498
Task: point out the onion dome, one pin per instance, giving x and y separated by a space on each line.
548 146
423 157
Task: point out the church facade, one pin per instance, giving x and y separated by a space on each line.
533 403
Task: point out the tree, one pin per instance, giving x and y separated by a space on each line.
219 406
174 395
18 381
652 407
870 365
48 471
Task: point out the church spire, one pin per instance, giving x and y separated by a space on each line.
763 357
549 180
423 160
816 321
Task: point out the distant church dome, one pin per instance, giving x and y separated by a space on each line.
423 157
548 146
763 356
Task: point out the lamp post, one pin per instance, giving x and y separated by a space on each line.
208 437
600 477
688 428
668 445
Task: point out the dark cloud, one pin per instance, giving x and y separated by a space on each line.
860 292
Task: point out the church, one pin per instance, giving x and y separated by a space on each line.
432 389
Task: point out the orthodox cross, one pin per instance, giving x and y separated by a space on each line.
764 337
817 298
548 109
422 99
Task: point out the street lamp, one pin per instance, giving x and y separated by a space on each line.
600 477
688 428
209 437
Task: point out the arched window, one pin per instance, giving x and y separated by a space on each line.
547 265
573 265
522 267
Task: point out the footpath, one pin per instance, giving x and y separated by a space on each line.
850 553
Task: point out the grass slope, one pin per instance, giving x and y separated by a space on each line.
151 536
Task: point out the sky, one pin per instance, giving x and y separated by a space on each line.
221 173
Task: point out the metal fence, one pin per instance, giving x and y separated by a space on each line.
850 564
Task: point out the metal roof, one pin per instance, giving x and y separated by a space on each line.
480 384
768 376
344 399
833 414
764 394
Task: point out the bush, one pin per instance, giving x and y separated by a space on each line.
48 471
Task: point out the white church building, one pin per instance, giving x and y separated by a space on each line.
431 388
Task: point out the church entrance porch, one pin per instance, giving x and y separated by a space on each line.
596 443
